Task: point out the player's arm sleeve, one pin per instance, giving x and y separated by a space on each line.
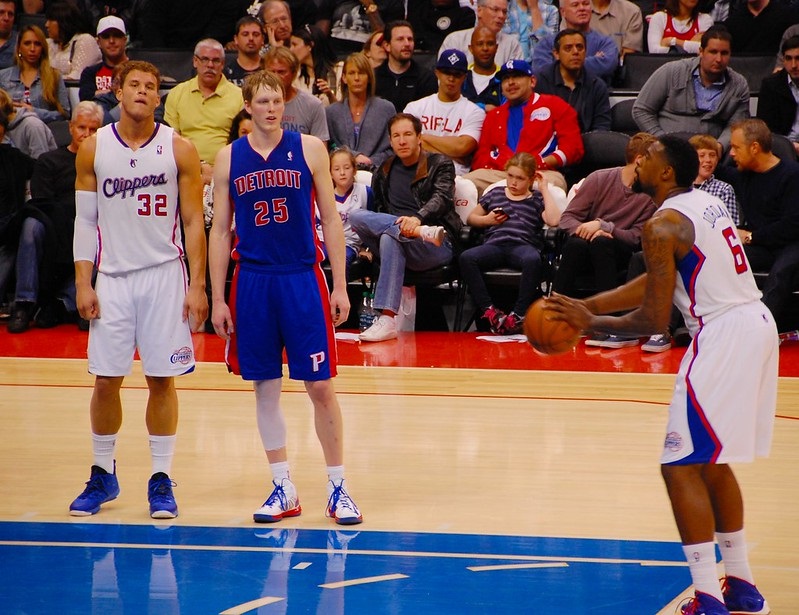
84 242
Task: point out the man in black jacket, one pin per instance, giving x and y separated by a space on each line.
400 79
45 269
413 197
776 104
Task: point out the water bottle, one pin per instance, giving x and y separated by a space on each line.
366 313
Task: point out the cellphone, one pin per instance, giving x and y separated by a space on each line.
501 211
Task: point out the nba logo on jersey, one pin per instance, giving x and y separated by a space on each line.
159 150
290 156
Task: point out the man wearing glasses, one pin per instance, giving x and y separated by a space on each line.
202 108
491 14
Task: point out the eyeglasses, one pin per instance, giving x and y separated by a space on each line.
496 9
278 20
211 61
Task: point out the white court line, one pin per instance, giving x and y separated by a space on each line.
251 605
516 567
301 566
364 581
374 552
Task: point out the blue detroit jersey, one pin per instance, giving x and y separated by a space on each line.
273 205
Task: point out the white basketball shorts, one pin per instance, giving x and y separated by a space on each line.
142 310
725 396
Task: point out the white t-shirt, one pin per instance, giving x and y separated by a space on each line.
449 119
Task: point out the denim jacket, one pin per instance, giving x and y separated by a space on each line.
10 82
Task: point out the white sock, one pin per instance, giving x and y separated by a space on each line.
335 473
162 450
280 470
103 448
734 554
702 564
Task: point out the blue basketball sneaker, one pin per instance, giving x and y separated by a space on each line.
743 598
703 604
101 487
340 505
162 500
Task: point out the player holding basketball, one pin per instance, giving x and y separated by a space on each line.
279 298
723 406
130 178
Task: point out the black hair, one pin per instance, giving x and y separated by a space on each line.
682 157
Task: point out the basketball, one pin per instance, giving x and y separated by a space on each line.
548 336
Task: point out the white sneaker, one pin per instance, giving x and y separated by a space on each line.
432 234
382 329
340 505
282 502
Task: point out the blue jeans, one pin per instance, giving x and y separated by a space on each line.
486 257
29 259
382 234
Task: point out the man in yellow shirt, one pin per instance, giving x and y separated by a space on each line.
202 108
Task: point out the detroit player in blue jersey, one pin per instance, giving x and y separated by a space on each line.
136 182
270 182
722 409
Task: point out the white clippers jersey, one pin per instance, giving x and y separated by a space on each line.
137 201
715 275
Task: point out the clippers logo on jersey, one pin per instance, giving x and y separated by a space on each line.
268 178
128 187
132 163
182 356
673 441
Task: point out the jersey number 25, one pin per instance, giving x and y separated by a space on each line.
277 211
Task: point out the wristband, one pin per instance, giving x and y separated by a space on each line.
84 242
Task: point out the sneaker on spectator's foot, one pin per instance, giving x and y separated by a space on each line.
703 604
162 500
617 341
657 343
512 324
282 502
743 598
596 339
21 315
495 317
432 234
340 505
101 487
382 329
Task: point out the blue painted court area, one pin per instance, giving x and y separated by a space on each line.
108 569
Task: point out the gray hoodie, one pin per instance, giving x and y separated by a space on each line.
30 134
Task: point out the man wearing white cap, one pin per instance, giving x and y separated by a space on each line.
95 81
451 123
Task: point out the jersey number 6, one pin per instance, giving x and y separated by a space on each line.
737 250
277 212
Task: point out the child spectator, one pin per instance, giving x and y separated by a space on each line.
349 195
514 218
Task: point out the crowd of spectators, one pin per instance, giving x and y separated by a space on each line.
485 82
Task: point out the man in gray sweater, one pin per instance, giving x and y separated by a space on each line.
696 95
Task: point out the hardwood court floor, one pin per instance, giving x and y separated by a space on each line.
541 473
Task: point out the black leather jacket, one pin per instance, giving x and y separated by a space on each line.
433 189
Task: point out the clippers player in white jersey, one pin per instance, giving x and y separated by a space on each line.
724 401
136 181
279 298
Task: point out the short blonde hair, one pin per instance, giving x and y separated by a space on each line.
261 79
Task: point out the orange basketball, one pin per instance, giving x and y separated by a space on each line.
548 336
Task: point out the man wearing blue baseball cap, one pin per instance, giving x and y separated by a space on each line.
543 125
451 123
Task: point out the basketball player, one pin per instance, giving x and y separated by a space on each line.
723 406
279 297
130 177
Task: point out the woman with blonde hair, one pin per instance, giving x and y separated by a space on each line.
32 83
360 120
